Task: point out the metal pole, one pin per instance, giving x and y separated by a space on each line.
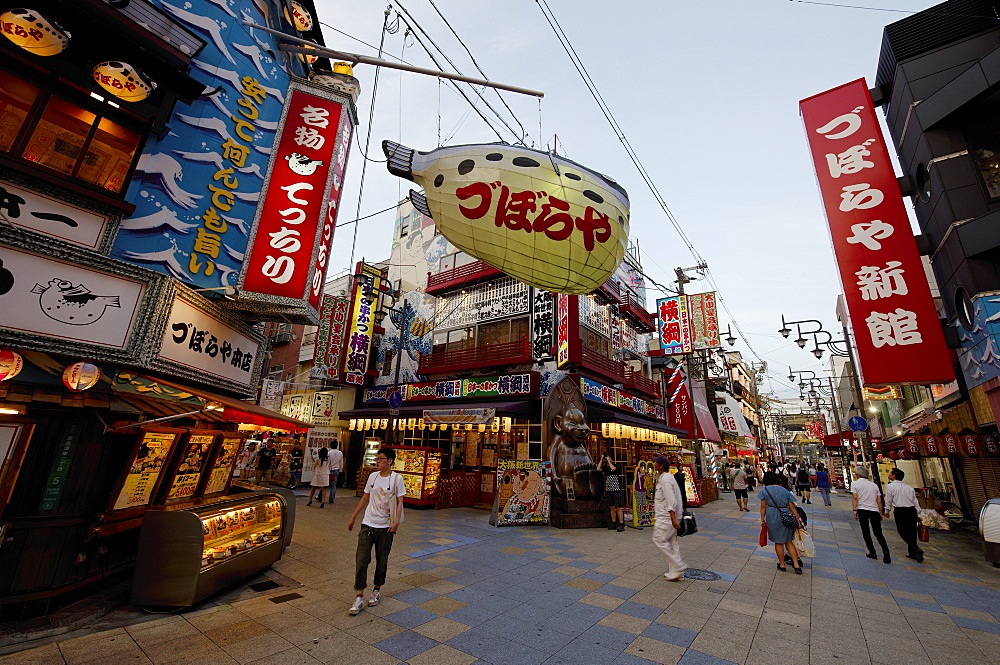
867 450
315 49
400 346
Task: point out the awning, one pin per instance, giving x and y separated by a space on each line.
235 410
706 424
528 409
600 413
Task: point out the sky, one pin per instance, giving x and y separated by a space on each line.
706 93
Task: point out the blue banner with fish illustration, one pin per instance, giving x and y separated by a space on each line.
196 188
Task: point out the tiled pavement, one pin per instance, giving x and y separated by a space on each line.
463 592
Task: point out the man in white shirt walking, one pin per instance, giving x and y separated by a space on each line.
668 508
336 467
903 498
866 500
378 527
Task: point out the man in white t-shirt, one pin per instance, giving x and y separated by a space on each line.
336 467
669 508
866 500
377 528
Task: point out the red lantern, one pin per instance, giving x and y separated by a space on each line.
931 446
911 444
970 444
950 444
10 364
81 376
991 445
893 454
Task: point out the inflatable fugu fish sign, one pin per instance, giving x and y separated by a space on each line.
538 217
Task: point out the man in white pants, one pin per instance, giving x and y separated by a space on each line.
669 508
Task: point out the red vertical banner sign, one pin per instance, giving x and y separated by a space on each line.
881 274
293 229
679 401
567 330
673 325
330 338
360 324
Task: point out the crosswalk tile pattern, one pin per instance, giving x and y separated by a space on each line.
461 592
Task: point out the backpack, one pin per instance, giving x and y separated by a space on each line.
802 477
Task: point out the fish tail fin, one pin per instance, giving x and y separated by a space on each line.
419 202
38 288
400 159
111 301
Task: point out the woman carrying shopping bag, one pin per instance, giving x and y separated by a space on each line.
779 513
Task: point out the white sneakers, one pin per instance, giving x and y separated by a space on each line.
674 577
359 604
374 598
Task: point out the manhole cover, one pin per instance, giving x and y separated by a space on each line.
264 586
703 575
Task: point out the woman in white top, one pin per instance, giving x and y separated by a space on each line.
321 476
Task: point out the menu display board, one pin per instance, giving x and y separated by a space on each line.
223 466
151 455
189 471
522 492
643 485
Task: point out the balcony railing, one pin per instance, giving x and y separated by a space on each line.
610 290
604 366
631 308
510 353
640 383
470 273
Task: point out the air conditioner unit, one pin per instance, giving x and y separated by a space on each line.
283 337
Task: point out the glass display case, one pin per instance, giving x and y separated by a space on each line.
420 469
187 555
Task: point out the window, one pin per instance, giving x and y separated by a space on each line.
463 338
62 136
274 372
983 140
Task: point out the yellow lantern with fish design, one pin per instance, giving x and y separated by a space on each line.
33 32
536 216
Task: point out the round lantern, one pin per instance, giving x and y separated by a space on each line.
33 32
10 364
536 216
124 81
305 57
81 376
300 17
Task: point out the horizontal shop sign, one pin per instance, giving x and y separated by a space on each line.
525 384
455 416
597 392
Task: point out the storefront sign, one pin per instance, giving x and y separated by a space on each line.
704 320
189 471
911 444
330 338
358 342
291 222
643 491
60 468
324 409
126 382
506 385
543 325
204 344
563 302
597 392
536 216
59 299
679 399
500 299
459 416
297 405
196 189
991 445
950 444
145 469
731 419
931 446
673 325
46 214
522 492
970 445
881 273
222 469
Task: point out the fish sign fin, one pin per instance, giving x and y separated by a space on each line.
419 202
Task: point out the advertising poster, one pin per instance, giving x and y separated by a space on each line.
223 466
522 492
643 486
690 487
146 467
189 471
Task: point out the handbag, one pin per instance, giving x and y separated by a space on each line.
923 533
804 543
689 524
763 535
786 515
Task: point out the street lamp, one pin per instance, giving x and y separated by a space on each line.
730 339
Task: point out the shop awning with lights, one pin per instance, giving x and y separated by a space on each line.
601 413
527 409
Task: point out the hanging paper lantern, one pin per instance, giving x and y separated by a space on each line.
538 217
33 32
300 17
307 58
124 81
81 376
10 364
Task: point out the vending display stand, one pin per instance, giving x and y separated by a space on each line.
186 555
420 468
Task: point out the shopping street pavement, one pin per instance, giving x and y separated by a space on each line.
463 592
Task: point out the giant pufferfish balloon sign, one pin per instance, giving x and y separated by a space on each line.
538 217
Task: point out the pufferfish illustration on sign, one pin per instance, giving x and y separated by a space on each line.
538 217
65 302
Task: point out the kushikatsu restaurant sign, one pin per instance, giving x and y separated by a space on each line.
507 385
358 341
673 325
887 295
292 230
597 392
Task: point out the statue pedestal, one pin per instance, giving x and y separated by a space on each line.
578 514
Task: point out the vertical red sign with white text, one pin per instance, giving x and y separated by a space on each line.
280 261
896 328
